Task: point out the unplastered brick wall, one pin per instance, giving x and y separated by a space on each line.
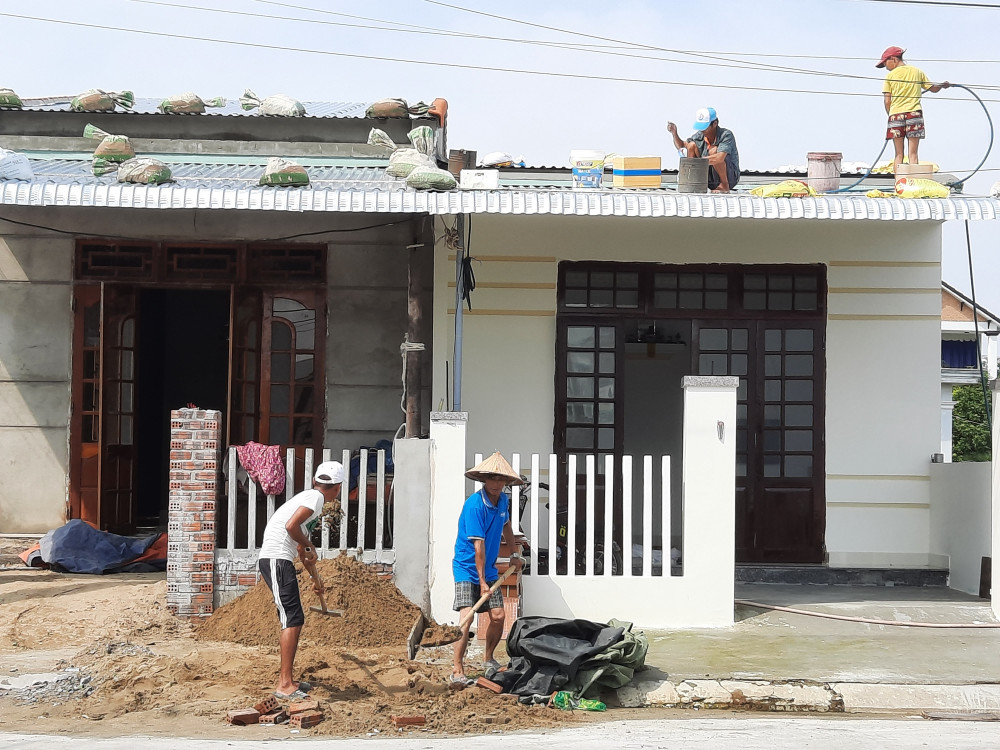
236 572
195 437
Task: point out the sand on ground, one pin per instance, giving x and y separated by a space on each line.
125 665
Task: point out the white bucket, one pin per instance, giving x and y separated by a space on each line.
823 170
588 168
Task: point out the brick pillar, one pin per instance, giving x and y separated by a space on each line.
195 437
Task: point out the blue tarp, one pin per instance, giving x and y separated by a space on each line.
78 547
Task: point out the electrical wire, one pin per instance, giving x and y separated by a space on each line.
271 239
566 46
450 65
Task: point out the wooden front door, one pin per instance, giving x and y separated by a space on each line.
780 506
104 449
275 360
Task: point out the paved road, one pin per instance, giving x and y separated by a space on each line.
772 733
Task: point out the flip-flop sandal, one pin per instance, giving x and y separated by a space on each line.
295 695
458 683
306 686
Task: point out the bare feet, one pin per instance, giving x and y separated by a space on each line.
721 190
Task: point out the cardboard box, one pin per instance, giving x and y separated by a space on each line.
479 179
636 172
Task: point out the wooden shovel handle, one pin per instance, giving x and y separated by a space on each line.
482 600
314 574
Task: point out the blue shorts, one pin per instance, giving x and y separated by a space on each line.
731 172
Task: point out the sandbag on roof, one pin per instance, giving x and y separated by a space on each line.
189 103
279 105
10 100
96 100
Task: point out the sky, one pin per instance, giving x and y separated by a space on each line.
538 79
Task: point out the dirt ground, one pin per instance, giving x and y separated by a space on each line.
118 663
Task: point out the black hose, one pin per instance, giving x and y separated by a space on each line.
989 120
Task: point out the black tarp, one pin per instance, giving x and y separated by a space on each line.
550 654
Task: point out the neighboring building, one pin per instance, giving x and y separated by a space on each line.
286 308
962 350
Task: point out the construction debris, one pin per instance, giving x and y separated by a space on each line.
305 719
408 721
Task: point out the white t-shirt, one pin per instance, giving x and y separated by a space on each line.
278 543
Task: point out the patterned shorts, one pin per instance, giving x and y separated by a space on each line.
467 593
906 124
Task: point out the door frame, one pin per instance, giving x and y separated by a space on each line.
292 270
742 301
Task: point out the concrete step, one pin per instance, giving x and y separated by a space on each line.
822 574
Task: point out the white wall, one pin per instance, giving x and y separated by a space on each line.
883 347
960 519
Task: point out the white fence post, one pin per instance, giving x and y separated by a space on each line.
447 496
709 495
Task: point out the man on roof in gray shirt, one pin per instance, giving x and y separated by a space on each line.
718 144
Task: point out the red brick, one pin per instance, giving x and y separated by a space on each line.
275 717
242 716
305 720
408 721
267 705
302 706
489 685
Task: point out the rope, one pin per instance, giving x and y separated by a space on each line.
405 348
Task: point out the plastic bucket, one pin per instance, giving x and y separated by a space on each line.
459 159
588 168
823 171
692 176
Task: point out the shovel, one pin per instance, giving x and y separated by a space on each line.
314 574
417 632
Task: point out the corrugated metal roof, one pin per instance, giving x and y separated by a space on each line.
145 105
366 189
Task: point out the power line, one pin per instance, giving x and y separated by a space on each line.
774 68
452 65
945 3
426 30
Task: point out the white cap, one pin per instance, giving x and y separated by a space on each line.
330 472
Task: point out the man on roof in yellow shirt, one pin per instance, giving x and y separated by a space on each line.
902 90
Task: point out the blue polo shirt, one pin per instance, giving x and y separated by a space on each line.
480 519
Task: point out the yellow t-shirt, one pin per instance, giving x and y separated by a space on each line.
906 83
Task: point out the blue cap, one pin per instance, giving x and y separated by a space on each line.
704 117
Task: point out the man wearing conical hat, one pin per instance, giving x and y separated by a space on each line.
483 523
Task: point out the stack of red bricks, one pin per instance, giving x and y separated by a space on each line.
195 437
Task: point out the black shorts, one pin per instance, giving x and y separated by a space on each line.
279 575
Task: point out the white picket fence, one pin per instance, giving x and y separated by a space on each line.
642 553
353 530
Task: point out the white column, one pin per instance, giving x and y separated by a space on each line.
947 420
995 551
447 496
411 539
709 491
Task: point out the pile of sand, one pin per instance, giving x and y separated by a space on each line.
375 612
